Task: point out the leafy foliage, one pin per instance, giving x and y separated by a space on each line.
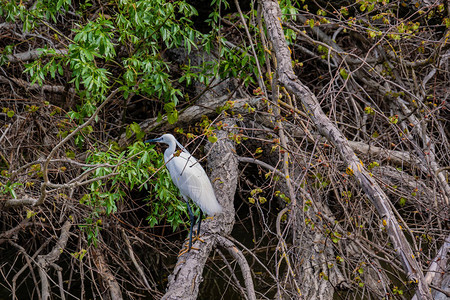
139 167
138 28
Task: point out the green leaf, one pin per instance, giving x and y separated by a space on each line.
135 127
172 117
212 138
369 110
393 119
343 73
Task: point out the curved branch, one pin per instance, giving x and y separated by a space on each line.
245 268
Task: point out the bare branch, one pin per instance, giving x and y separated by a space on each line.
245 268
67 138
45 261
31 55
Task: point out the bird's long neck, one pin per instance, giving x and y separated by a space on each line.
169 152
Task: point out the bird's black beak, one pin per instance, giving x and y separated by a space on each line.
153 140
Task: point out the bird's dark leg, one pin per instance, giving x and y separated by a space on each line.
197 236
199 223
191 215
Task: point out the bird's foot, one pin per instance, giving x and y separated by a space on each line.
186 250
197 238
211 218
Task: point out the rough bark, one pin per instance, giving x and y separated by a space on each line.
288 79
186 277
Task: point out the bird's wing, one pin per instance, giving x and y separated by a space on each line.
192 181
187 175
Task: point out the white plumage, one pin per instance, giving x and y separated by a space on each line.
190 178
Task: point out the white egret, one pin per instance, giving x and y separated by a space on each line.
190 178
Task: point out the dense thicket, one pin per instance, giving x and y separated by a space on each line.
324 127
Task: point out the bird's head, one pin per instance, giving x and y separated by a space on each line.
165 138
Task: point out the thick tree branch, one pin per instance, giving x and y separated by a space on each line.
192 114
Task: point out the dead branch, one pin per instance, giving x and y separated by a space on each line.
232 273
438 270
67 138
133 259
397 157
8 234
29 265
58 89
24 201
